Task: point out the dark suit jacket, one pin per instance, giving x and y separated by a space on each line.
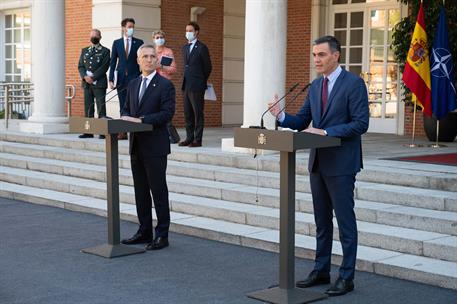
97 61
120 63
157 108
346 116
197 67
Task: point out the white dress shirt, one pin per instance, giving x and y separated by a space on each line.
148 81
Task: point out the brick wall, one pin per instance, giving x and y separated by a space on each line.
78 23
409 114
175 16
298 47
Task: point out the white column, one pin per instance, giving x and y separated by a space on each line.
264 57
48 68
264 62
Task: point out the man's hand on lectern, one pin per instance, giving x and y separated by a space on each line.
315 131
131 119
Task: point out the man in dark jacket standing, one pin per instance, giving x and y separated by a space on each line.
150 100
92 67
124 62
197 67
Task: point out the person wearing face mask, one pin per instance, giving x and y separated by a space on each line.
197 68
124 62
165 70
93 65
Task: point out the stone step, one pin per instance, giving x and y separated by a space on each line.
400 195
378 171
382 213
385 262
372 234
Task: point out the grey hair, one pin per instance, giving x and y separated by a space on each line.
97 31
158 32
145 46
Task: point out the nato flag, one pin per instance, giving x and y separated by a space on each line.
442 74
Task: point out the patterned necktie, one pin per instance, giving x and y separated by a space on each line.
127 48
144 86
324 95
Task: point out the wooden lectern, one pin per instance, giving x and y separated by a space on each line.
287 143
110 128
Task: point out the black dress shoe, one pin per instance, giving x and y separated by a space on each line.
313 279
195 144
185 143
138 238
85 135
158 243
340 287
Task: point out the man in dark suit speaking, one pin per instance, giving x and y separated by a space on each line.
337 105
197 67
151 100
124 62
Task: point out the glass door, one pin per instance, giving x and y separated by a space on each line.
17 59
382 75
365 32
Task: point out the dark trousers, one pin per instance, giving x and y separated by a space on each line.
194 104
149 176
334 193
122 95
91 93
122 91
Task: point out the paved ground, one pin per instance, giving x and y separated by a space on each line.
40 262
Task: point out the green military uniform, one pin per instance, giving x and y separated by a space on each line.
94 62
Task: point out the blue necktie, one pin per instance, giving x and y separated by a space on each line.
143 89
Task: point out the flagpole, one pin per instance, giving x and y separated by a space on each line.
437 144
412 144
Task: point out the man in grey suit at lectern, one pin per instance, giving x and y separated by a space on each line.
337 105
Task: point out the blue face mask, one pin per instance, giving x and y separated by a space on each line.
130 31
159 41
190 36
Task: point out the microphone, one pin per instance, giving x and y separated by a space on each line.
276 102
289 102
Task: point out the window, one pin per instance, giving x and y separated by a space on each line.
17 47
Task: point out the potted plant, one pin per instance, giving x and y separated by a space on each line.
401 39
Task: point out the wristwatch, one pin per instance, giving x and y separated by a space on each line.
325 133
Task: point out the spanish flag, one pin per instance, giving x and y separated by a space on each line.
416 74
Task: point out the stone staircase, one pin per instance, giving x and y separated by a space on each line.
407 212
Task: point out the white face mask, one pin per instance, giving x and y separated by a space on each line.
130 31
190 36
159 41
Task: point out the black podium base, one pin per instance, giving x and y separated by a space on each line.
286 296
112 251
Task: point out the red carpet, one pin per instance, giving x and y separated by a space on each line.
449 159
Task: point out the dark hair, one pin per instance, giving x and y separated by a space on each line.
194 25
126 20
333 43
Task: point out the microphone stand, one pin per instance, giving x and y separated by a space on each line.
275 103
288 103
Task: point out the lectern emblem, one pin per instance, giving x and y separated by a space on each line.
262 139
87 125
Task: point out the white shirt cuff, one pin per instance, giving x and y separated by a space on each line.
281 117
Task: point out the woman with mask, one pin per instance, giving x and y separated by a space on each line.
166 69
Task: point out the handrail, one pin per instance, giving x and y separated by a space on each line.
70 92
16 93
